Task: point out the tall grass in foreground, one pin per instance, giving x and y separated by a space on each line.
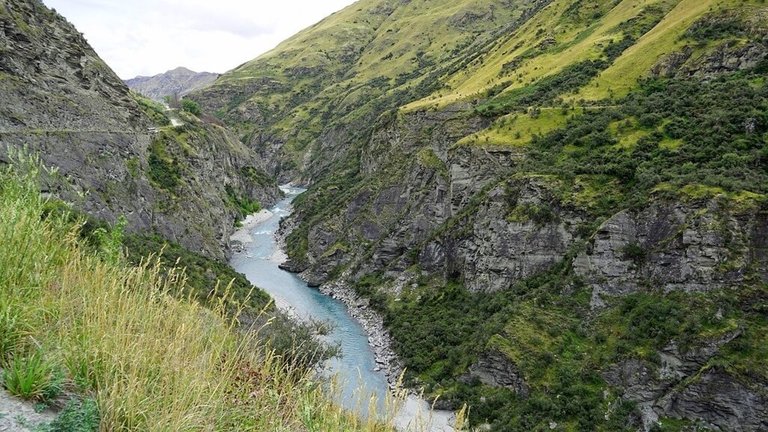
151 361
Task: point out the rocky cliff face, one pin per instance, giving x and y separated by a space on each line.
692 247
179 82
63 103
474 223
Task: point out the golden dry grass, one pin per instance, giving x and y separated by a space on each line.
152 361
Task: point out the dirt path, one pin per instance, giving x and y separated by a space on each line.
20 416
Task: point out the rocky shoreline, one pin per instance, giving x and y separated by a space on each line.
242 235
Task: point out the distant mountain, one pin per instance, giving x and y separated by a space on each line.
180 80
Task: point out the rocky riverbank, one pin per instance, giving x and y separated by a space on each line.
243 236
359 308
415 413
373 324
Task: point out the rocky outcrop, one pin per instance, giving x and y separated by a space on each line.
62 102
178 82
386 222
249 118
685 386
693 247
728 57
495 369
484 245
511 241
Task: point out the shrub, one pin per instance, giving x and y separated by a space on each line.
32 377
164 170
634 252
191 107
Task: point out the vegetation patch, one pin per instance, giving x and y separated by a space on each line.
164 169
244 205
544 325
717 26
190 106
717 128
208 281
258 176
427 158
154 110
77 416
31 376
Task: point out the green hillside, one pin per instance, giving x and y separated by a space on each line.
370 57
377 55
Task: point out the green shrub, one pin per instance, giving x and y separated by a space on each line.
164 170
706 120
153 110
714 27
33 377
191 107
111 241
634 252
242 204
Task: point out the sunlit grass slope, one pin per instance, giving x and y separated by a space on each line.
76 320
564 33
544 74
371 55
638 60
428 54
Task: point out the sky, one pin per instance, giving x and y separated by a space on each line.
148 37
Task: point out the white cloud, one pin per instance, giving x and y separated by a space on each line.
146 37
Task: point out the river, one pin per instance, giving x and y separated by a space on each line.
355 369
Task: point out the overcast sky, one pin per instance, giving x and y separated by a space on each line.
147 37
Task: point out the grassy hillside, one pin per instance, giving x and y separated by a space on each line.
86 323
373 56
505 56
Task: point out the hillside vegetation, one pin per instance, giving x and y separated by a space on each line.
75 318
346 70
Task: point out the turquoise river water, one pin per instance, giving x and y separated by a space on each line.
258 261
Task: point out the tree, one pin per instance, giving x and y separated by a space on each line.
191 107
